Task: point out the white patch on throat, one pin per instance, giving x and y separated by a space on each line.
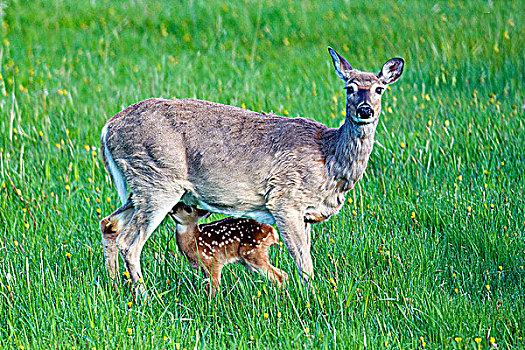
182 229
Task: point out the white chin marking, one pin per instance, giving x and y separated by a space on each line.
363 121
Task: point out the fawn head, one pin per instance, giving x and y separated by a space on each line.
185 215
364 90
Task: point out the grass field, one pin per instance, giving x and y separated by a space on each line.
428 251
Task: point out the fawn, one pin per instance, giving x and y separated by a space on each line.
215 245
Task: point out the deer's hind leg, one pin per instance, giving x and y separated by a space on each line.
149 209
257 260
111 227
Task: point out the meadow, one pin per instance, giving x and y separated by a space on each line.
427 252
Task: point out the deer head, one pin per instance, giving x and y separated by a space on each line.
364 90
185 215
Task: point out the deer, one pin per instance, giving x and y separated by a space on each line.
210 247
291 172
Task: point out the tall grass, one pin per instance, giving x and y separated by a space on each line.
428 251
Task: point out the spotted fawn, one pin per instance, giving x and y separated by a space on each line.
215 245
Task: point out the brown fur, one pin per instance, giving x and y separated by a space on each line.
212 246
291 172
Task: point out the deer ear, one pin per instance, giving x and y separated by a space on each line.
341 65
203 214
391 70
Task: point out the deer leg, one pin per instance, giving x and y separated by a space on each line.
216 277
293 231
213 272
276 275
111 226
147 216
260 262
308 233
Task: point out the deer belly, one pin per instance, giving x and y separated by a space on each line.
238 200
261 215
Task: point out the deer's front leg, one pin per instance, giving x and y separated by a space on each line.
296 237
308 233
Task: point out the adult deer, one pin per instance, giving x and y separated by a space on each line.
291 172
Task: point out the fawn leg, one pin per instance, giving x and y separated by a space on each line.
258 261
213 270
276 275
216 276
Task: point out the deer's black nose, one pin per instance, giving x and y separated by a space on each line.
365 112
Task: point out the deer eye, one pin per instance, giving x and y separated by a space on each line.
350 89
380 90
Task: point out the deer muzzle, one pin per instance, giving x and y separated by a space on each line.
364 112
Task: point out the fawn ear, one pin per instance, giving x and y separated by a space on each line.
203 214
391 70
341 65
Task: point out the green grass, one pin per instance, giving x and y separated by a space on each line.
450 150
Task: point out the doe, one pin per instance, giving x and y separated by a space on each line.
212 246
293 172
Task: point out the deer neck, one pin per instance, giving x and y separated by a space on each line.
187 236
350 151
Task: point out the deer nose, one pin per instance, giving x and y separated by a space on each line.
365 112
